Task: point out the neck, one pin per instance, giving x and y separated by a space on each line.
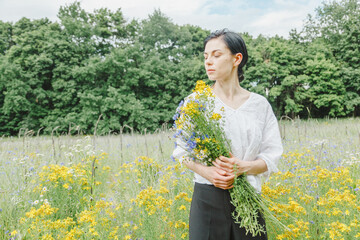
227 88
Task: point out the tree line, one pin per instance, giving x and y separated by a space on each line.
134 73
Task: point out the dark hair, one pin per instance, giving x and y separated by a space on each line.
236 45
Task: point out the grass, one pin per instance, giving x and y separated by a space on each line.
127 186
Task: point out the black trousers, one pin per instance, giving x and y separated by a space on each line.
210 216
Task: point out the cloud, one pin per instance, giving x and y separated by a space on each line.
267 17
284 16
279 22
222 7
12 11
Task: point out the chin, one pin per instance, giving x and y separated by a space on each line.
212 78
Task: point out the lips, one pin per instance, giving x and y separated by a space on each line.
210 70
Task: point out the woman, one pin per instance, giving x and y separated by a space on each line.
251 126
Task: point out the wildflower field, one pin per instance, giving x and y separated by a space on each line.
128 187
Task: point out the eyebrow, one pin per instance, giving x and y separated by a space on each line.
213 51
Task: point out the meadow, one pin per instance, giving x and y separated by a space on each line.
127 186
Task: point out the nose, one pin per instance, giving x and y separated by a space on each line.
208 61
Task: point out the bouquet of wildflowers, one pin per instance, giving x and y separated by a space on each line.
201 128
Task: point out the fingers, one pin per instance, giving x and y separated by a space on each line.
224 165
217 165
231 160
224 181
220 178
223 158
225 187
220 171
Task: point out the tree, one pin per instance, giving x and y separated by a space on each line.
338 24
276 69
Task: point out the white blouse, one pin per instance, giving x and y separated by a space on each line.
254 134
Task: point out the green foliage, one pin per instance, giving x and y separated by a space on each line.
68 73
337 23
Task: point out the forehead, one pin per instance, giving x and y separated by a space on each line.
216 44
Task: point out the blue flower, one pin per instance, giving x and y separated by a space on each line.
176 116
177 133
191 144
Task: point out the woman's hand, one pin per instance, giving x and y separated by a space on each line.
236 167
232 165
219 177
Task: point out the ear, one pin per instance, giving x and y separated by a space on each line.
238 59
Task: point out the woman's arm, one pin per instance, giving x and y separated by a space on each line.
235 166
269 153
220 178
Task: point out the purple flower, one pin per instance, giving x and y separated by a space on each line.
178 133
191 144
175 116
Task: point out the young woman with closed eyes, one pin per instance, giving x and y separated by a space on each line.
256 146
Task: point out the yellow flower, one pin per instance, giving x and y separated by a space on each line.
105 168
182 207
47 237
127 237
216 116
200 86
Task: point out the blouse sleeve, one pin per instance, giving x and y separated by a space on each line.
179 153
271 146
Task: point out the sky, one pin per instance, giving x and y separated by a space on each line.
266 17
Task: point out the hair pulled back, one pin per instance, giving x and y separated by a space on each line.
236 45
